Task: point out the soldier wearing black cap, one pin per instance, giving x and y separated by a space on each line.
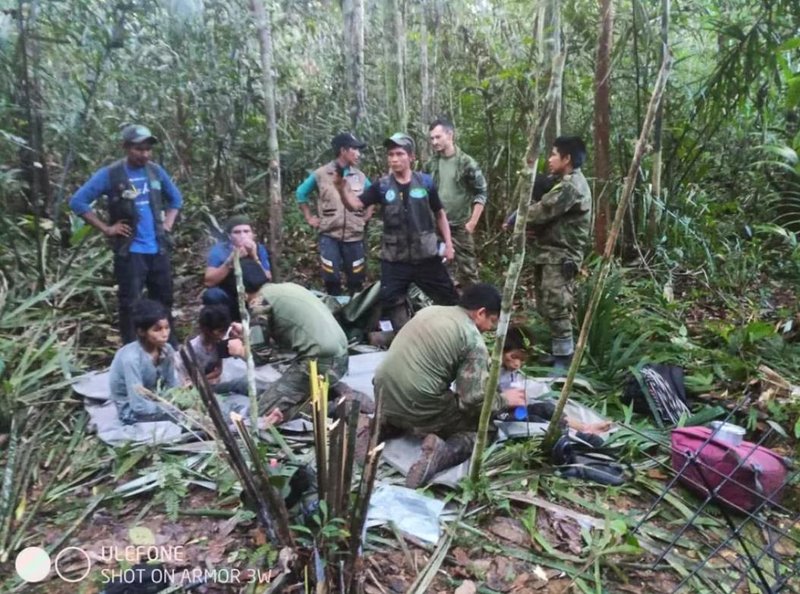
341 233
143 204
412 214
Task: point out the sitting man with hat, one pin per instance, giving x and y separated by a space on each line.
220 277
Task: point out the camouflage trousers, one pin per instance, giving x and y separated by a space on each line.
465 265
293 390
446 421
554 290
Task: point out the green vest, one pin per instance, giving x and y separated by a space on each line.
409 227
122 208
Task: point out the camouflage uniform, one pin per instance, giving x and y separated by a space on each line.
438 346
458 194
560 223
298 321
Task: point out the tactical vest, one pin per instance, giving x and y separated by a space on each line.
123 208
409 227
334 219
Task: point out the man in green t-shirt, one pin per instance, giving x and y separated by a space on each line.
462 189
297 321
437 347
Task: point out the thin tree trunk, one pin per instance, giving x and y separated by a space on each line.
395 64
605 267
353 11
517 259
602 125
553 45
264 27
425 107
652 215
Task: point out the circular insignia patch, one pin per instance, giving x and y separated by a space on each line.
390 196
419 193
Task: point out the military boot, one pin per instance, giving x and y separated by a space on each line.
562 362
438 455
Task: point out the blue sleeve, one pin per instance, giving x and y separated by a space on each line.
217 255
304 190
263 256
99 184
367 183
169 190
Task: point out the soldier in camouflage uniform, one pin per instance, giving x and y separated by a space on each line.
299 322
439 346
560 226
462 189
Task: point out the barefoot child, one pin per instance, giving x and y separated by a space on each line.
515 354
146 364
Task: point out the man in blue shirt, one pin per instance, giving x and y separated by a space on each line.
143 204
220 277
341 232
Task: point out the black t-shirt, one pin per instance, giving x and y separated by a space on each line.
373 195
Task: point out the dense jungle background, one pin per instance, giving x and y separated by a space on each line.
245 97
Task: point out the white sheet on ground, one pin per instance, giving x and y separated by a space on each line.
412 512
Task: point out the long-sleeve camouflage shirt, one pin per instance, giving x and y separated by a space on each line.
560 221
439 346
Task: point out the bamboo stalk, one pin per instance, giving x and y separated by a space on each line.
515 266
605 267
248 354
7 489
234 453
276 503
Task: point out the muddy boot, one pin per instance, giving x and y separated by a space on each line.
362 438
438 455
365 402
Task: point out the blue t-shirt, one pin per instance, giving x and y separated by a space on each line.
144 239
220 252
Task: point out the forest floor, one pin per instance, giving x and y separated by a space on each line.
525 529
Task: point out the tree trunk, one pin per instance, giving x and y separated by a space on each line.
426 113
354 59
653 213
552 46
395 64
264 28
602 125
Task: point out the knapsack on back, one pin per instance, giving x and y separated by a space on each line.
657 390
742 476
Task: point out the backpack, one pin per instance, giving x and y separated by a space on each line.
658 391
741 477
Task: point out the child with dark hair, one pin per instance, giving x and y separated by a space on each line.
144 365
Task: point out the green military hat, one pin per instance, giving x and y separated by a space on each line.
402 140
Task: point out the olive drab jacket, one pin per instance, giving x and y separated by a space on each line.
409 226
334 219
122 206
561 221
470 180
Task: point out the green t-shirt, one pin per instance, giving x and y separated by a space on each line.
456 200
300 322
439 346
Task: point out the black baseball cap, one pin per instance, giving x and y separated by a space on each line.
401 139
136 133
346 140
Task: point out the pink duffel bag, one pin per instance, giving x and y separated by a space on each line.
746 474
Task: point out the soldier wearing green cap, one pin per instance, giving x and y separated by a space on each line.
143 204
412 215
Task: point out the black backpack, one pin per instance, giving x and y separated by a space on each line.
658 391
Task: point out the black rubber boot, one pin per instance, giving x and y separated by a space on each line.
562 362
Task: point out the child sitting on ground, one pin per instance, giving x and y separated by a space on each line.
219 339
147 364
515 354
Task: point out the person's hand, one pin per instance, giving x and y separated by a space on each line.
250 248
118 229
275 417
167 227
449 252
515 397
268 274
469 227
236 347
313 221
214 375
236 330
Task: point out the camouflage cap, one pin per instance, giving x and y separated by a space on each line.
402 140
136 134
